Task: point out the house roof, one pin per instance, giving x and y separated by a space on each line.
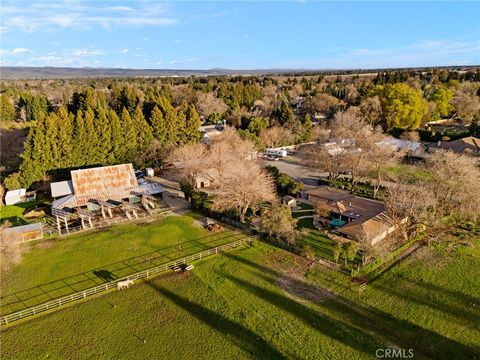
15 193
288 198
367 216
399 144
468 144
366 230
61 188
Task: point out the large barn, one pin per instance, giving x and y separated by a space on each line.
101 190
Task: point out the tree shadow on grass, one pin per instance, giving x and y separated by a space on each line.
78 282
386 326
379 324
421 295
236 333
340 331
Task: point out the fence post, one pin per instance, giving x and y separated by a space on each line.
59 302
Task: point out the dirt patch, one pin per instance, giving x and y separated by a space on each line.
286 262
300 290
44 245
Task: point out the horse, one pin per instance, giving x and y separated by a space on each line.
124 284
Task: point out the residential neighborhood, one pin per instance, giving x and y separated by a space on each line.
239 180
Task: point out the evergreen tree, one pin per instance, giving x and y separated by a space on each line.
104 134
192 125
181 123
64 138
80 141
475 126
50 147
92 140
144 133
159 128
117 142
169 115
285 115
129 133
7 109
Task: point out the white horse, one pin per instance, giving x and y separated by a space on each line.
124 284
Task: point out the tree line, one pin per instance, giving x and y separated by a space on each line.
90 131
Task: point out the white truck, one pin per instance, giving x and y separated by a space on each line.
275 152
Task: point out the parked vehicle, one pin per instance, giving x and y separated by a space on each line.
276 152
139 174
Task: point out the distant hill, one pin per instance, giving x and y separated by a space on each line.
15 72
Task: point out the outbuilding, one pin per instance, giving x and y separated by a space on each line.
290 201
149 172
18 196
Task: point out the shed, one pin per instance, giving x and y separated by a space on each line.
15 196
24 233
289 200
61 188
149 172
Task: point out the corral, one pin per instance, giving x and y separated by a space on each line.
56 268
257 303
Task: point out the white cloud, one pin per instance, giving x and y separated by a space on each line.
119 8
423 53
85 52
124 51
51 15
17 51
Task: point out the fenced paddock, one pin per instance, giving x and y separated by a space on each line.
10 318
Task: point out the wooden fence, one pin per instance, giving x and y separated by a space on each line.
106 223
7 319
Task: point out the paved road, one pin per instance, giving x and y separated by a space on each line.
294 166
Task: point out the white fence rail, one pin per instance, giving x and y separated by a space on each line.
107 222
113 284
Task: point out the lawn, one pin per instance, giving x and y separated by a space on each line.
55 268
305 210
324 246
409 172
14 213
257 303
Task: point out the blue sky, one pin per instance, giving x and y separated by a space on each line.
239 35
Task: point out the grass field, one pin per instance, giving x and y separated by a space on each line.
260 302
305 222
55 268
323 246
14 213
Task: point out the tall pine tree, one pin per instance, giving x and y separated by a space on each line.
129 132
158 125
144 133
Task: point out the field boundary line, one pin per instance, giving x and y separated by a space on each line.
18 315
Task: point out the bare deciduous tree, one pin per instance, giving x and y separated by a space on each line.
11 250
188 160
242 184
226 148
454 184
465 102
370 110
208 104
276 136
